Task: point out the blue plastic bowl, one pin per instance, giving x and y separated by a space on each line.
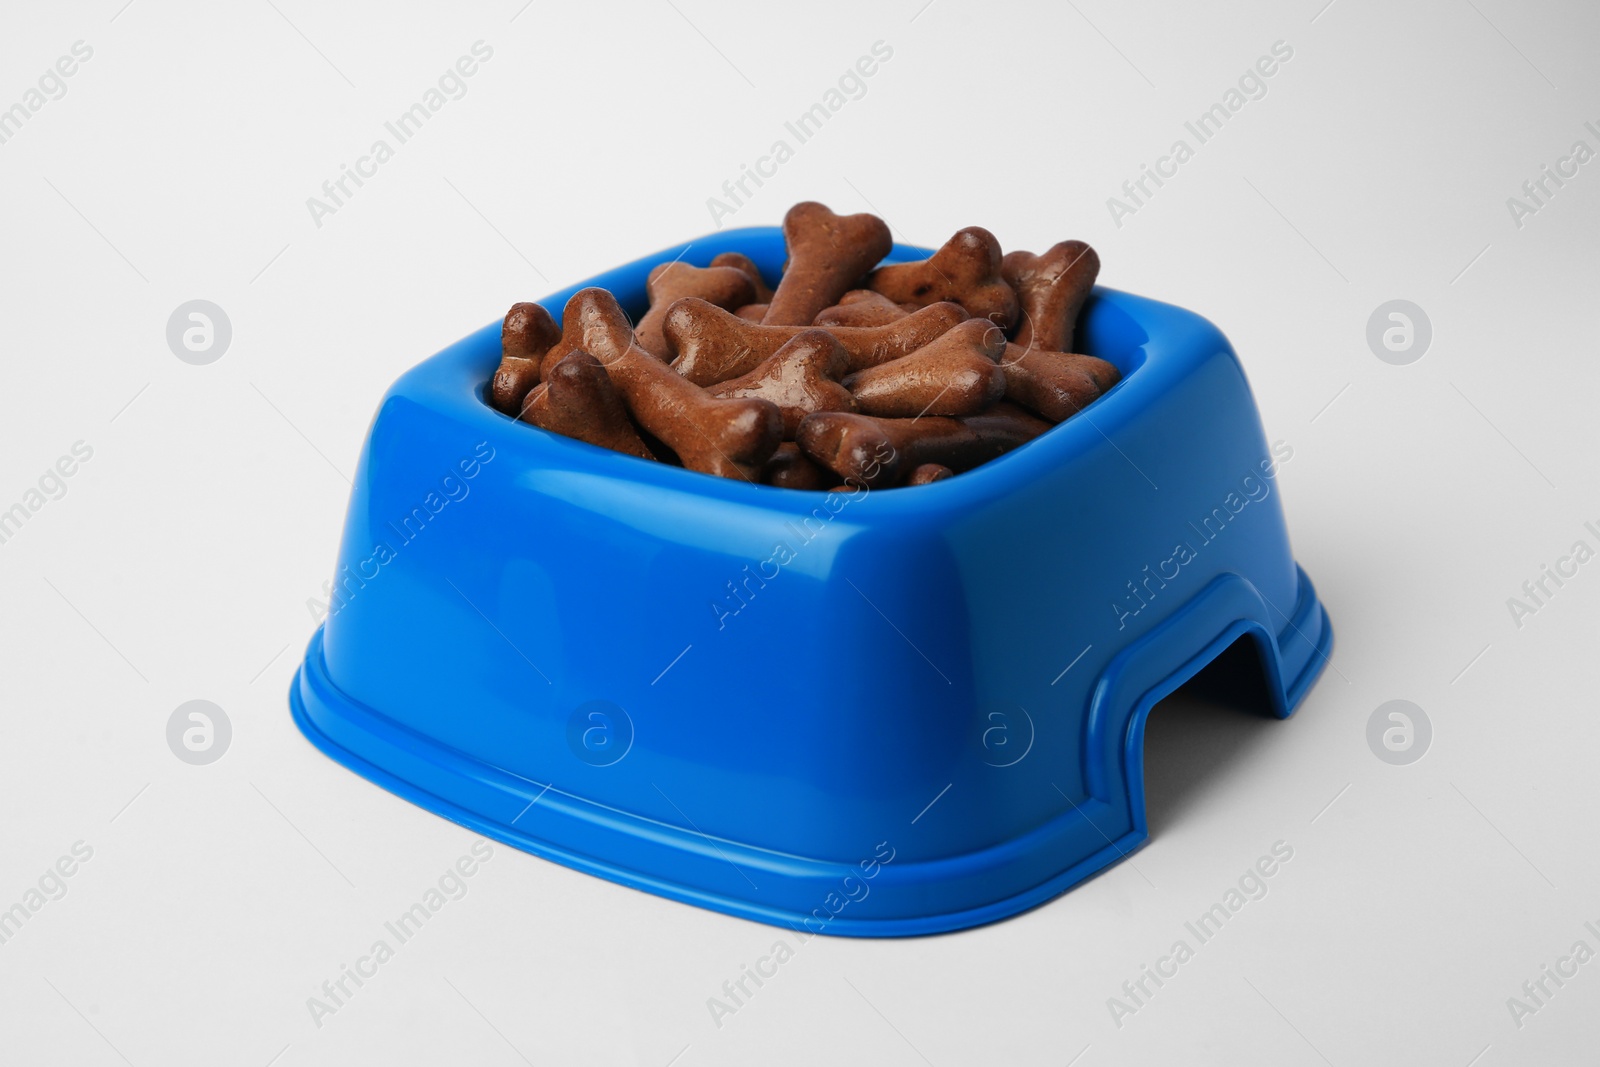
902 712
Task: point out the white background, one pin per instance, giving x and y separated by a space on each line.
178 564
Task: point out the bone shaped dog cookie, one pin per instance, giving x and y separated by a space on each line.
1051 289
966 270
800 377
525 336
862 307
731 438
1040 372
713 345
954 374
579 400
743 262
828 254
928 473
791 468
854 446
1057 385
726 287
586 324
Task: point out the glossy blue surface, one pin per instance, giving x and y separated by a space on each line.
902 712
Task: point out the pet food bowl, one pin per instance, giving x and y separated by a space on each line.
901 711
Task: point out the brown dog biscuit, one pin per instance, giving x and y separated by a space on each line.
1002 424
731 438
965 270
580 401
743 262
1055 384
855 446
752 312
712 345
955 374
726 287
861 307
800 377
828 254
587 324
1041 373
526 335
791 468
1052 289
928 473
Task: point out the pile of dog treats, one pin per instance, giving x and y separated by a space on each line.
847 373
